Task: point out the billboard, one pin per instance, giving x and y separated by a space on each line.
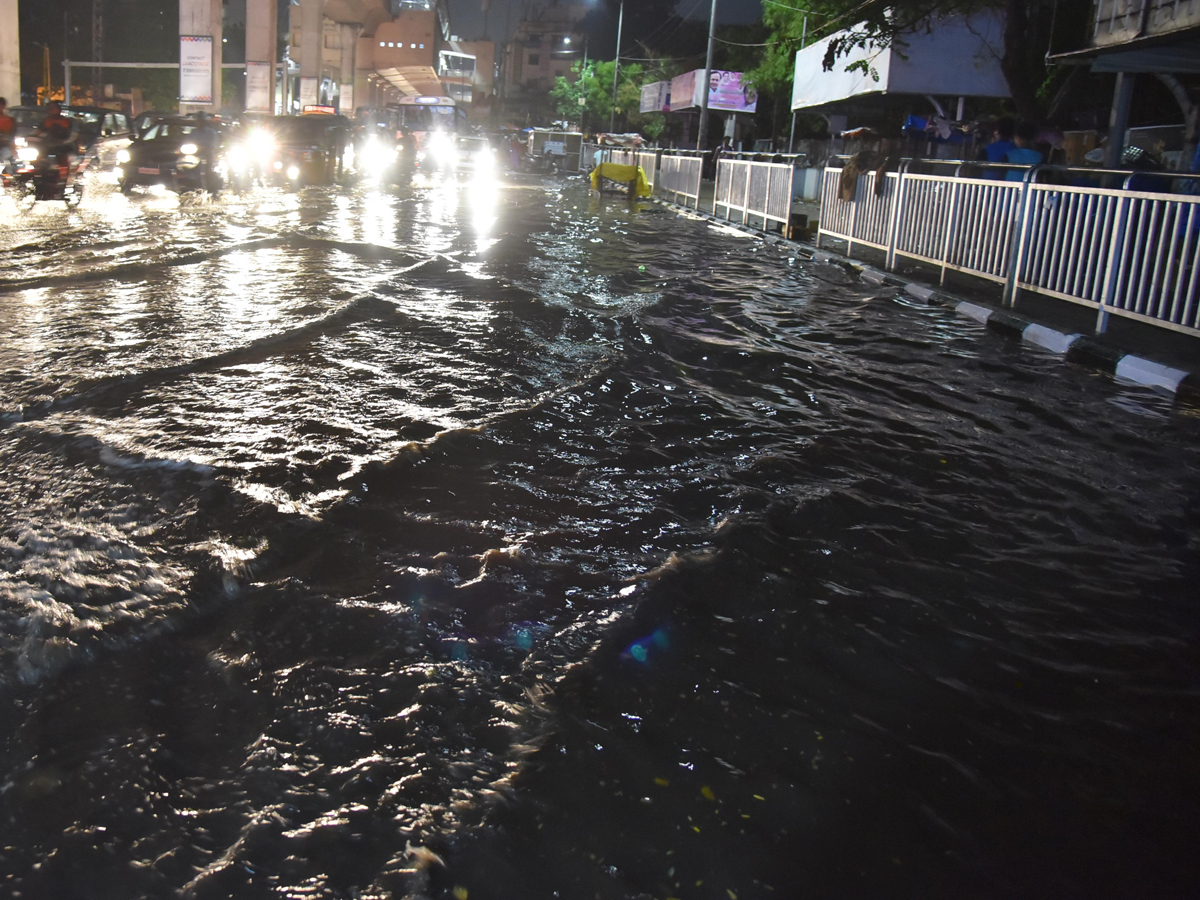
195 68
260 87
727 91
955 56
655 97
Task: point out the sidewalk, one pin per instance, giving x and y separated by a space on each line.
1143 354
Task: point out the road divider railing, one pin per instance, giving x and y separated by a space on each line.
754 190
678 178
1096 238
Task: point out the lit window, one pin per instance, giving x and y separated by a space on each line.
412 46
422 46
391 44
382 43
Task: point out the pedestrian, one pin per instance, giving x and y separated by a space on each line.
1025 153
1002 141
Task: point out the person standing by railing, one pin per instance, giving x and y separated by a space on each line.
1024 153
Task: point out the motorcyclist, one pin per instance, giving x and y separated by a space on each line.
58 134
8 129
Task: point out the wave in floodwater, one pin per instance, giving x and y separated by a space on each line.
495 540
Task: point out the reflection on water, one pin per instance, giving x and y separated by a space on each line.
491 539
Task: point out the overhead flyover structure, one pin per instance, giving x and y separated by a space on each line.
356 53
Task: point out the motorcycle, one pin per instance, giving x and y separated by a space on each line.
44 175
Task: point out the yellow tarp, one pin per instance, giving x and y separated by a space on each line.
622 174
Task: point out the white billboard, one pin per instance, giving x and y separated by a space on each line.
956 58
195 68
655 97
260 87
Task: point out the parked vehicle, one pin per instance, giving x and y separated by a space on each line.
183 154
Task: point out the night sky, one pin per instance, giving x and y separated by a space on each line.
466 16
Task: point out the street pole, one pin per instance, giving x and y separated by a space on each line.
612 121
702 137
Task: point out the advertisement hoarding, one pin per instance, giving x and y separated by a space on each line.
727 91
195 68
655 97
308 91
260 85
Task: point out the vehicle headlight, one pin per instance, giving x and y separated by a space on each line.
189 162
293 172
20 142
123 156
439 142
278 164
27 154
188 149
236 157
260 144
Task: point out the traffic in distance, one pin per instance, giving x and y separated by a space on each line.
58 151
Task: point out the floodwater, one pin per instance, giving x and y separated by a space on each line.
494 540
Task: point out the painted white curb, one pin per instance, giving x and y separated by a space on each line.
1143 371
919 291
979 313
1054 341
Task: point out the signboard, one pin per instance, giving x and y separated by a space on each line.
954 56
727 91
319 111
731 92
683 87
346 100
260 84
195 68
655 97
308 91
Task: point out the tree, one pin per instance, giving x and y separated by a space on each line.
594 86
1029 28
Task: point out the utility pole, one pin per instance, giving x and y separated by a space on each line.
612 120
702 137
97 49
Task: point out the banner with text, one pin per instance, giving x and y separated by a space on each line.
260 87
308 91
655 97
727 91
195 68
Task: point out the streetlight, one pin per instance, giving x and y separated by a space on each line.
612 121
582 75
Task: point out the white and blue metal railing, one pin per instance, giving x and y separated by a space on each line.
753 189
1122 252
679 177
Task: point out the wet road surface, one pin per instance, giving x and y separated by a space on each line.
491 539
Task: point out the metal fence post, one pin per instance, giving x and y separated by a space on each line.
951 220
1016 255
897 212
1112 271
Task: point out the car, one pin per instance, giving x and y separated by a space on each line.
310 149
102 133
474 153
182 154
377 154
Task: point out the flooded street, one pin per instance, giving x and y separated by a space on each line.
488 539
